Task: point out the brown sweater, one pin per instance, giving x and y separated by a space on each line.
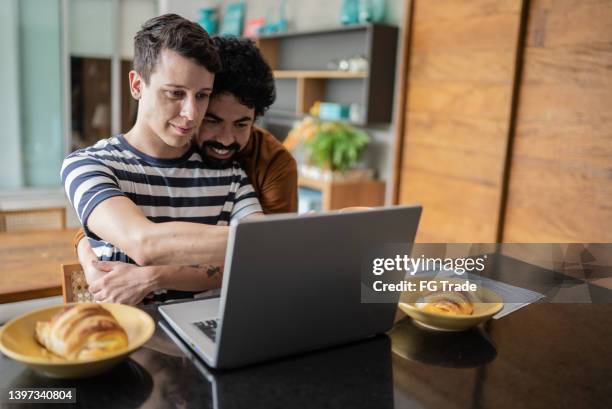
272 171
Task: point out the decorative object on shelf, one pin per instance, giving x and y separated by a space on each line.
271 25
356 112
337 146
364 11
349 13
371 11
209 17
331 111
253 26
315 109
232 20
378 10
343 65
358 63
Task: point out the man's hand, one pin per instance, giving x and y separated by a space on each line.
122 283
92 272
87 258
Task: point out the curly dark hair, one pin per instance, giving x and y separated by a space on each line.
175 33
244 74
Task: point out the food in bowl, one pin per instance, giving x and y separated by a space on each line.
82 331
448 302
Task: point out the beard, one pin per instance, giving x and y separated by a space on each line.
216 163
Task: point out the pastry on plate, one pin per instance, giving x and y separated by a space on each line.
448 302
82 331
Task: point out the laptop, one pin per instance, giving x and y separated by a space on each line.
292 284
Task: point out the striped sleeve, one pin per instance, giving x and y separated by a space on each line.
245 201
87 182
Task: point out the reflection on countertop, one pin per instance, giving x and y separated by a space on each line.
465 349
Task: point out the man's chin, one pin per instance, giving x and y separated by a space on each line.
177 141
215 163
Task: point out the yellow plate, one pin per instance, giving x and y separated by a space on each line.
17 341
491 304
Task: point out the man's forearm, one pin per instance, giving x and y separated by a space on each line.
188 278
119 221
183 243
184 278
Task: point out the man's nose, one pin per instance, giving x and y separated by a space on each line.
225 136
189 109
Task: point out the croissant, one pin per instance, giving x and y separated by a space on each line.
82 331
448 302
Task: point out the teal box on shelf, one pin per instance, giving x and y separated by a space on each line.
330 111
208 19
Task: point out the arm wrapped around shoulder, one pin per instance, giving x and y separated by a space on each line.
82 331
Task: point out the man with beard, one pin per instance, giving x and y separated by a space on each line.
242 91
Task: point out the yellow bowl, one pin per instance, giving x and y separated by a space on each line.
491 304
17 341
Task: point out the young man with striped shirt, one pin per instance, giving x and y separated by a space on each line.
149 196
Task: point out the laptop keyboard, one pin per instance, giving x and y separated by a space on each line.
208 327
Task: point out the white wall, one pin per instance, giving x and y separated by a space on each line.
91 24
133 14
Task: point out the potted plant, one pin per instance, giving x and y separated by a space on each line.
328 150
336 146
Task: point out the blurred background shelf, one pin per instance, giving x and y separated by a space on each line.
323 74
304 77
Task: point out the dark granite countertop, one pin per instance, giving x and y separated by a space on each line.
545 355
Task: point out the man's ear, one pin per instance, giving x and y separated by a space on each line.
136 84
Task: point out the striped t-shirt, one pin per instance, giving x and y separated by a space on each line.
180 189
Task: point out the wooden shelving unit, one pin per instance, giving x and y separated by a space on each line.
319 74
340 194
300 59
311 85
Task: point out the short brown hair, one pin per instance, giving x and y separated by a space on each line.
173 32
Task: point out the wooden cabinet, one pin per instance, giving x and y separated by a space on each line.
340 194
458 94
506 125
560 170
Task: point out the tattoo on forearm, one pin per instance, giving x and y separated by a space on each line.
210 271
213 270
